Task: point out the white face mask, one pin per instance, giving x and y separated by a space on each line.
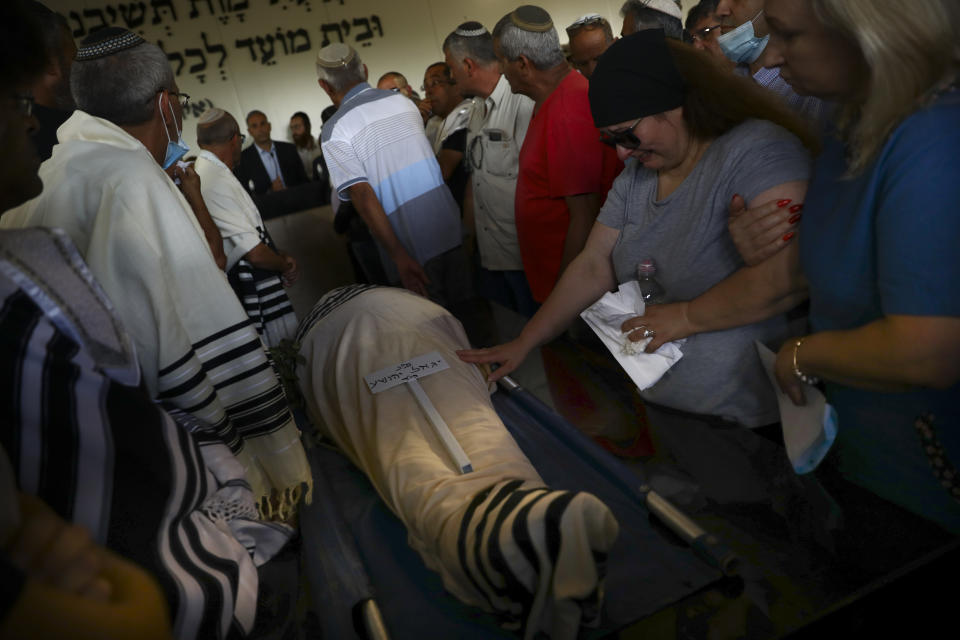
742 45
175 150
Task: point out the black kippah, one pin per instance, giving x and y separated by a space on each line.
107 41
636 76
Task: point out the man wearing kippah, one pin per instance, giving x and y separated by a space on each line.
495 134
565 172
380 160
80 422
256 270
652 14
107 189
589 36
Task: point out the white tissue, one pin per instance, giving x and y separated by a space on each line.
606 316
808 430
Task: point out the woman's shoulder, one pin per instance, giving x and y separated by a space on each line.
937 122
752 131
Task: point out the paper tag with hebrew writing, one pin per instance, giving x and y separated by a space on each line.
412 369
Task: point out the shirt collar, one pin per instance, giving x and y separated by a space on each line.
268 151
363 86
499 93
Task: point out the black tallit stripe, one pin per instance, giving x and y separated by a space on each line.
18 321
60 424
552 524
234 353
281 311
465 527
193 485
243 375
184 387
170 368
330 302
478 576
514 589
220 334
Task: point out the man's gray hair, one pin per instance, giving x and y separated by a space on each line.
121 87
343 77
541 48
478 48
646 18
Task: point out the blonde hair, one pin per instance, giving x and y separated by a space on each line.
911 50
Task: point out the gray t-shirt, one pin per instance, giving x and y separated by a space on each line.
686 234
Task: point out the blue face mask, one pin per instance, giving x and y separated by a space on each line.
175 150
742 45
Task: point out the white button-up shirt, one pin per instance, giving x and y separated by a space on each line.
495 135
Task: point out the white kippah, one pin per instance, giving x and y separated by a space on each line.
471 29
211 115
336 55
669 7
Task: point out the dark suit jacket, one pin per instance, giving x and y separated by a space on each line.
251 167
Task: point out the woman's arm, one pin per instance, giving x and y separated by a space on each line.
894 353
588 277
749 295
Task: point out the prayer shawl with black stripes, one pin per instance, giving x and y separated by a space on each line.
499 538
85 437
197 349
241 227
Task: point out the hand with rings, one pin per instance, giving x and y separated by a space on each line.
660 323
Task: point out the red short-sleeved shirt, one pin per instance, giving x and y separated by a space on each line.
561 156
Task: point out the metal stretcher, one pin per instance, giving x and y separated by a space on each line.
366 582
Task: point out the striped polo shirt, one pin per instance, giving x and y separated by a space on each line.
377 137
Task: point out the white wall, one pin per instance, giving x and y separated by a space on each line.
259 54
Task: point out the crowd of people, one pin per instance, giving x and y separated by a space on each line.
786 164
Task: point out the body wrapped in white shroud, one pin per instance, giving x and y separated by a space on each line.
499 538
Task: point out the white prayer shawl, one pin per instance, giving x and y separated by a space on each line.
261 292
497 536
197 349
457 119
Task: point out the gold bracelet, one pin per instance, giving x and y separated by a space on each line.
804 378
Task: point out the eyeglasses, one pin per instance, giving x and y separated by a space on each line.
701 34
242 138
24 102
435 82
183 98
624 138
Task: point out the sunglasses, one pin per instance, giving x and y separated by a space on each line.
624 138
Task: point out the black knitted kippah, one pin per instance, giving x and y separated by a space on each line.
106 42
531 18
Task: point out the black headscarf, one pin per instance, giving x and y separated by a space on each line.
635 77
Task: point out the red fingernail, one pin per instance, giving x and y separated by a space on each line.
793 219
796 207
783 203
789 236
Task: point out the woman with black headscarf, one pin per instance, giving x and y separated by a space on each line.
693 137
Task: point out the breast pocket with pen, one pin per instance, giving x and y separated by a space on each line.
494 152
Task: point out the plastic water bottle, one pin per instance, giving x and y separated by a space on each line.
651 290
